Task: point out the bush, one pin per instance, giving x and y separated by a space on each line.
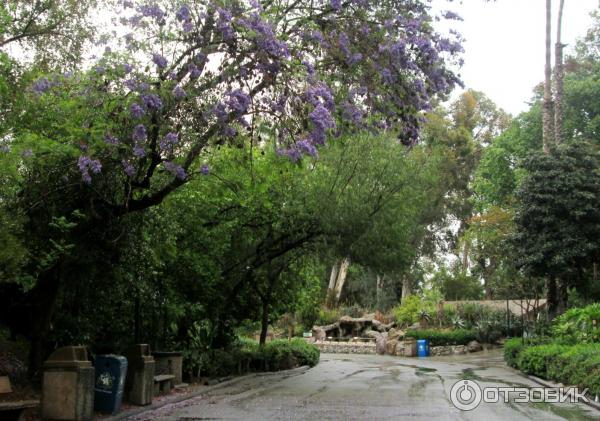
411 310
328 316
443 337
579 325
576 365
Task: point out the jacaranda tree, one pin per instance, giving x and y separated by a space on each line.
179 79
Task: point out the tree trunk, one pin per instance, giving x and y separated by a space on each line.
264 326
329 300
547 134
43 298
558 80
341 279
378 288
406 287
551 298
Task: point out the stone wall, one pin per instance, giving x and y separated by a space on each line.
334 347
448 350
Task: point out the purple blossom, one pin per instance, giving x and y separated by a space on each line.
179 92
219 111
448 14
336 5
152 101
110 139
136 110
42 85
128 168
100 70
224 24
307 147
27 153
351 113
195 72
176 170
139 133
188 26
310 69
320 94
85 165
321 117
153 11
238 101
168 142
183 14
229 131
205 169
5 148
386 76
265 36
159 60
139 151
256 4
128 68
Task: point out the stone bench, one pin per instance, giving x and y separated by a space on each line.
163 383
13 410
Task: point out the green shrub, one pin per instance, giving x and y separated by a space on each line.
328 316
576 365
443 337
579 325
412 310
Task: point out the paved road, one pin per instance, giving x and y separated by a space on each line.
363 387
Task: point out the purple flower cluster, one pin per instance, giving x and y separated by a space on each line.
320 94
238 101
128 68
167 143
153 11
136 110
224 24
152 101
265 37
322 120
159 60
139 136
176 170
110 139
194 71
450 15
183 14
336 5
178 92
128 168
205 169
42 85
87 165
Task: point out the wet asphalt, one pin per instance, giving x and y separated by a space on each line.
370 387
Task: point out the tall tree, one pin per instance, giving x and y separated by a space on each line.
548 134
559 79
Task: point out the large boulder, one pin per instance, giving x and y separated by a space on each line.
391 346
415 326
330 331
318 333
350 326
474 346
395 333
371 334
380 343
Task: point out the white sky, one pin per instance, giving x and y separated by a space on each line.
504 48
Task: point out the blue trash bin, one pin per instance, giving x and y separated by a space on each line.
423 348
110 381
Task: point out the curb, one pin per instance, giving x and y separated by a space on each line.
553 385
154 406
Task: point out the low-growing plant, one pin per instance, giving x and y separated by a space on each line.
411 309
443 337
328 316
579 325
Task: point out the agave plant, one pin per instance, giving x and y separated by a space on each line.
457 322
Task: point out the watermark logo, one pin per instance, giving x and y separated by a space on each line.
466 395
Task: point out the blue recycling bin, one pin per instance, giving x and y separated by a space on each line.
423 348
110 381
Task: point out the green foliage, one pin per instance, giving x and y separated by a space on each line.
444 337
408 312
575 365
457 285
328 316
247 356
579 325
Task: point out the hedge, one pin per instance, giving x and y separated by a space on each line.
575 365
247 356
444 337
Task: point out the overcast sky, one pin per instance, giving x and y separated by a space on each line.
504 49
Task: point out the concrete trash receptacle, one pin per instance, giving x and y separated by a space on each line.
68 385
139 384
410 347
